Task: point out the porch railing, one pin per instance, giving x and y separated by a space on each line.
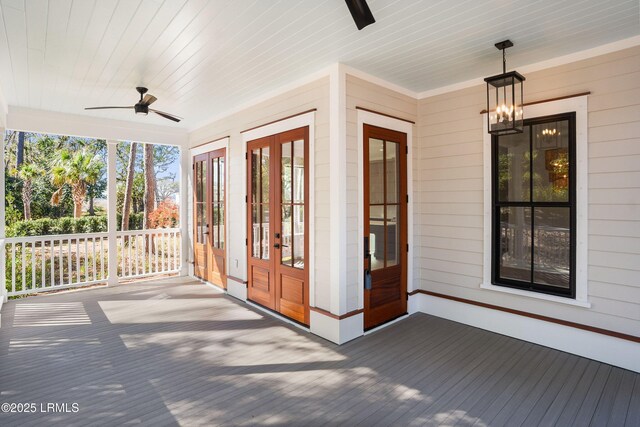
44 263
143 253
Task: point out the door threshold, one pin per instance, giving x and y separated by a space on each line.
384 325
278 316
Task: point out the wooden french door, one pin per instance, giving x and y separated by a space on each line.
385 225
209 195
277 220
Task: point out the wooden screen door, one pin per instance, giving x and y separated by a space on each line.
385 225
209 194
277 220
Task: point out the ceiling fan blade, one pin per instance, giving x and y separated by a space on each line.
104 108
166 115
149 99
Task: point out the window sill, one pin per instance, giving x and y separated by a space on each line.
536 295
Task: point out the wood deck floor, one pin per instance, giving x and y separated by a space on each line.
175 352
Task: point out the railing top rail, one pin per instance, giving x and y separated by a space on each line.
50 237
148 231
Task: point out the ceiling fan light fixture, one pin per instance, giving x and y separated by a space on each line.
360 12
141 109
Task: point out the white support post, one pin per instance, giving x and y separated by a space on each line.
338 179
3 281
112 218
185 174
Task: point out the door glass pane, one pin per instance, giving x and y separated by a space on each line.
551 162
264 232
286 241
298 171
198 182
376 171
287 188
552 253
513 167
214 185
376 236
255 176
392 236
203 183
515 243
393 168
255 231
264 173
214 225
298 236
221 178
199 223
221 226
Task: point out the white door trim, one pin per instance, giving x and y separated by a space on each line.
369 118
302 120
202 149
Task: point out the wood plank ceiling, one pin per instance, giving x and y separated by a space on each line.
202 58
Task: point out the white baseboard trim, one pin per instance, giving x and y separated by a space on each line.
338 331
603 348
237 289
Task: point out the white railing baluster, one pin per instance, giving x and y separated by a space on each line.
13 268
60 264
161 251
129 245
155 252
44 267
175 251
53 262
102 258
137 257
86 262
121 244
69 263
78 269
33 265
150 252
171 250
93 253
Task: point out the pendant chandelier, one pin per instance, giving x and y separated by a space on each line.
505 98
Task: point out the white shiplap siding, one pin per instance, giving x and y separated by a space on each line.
449 187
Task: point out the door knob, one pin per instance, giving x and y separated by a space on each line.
277 245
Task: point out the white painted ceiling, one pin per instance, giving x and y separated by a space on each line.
202 58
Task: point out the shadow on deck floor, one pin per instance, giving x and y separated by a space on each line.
175 352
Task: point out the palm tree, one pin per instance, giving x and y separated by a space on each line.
77 170
27 173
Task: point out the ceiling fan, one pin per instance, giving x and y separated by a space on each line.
142 106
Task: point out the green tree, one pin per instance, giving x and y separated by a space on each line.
77 170
126 208
28 172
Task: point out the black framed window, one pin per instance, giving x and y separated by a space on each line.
534 214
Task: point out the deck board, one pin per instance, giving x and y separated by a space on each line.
175 352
